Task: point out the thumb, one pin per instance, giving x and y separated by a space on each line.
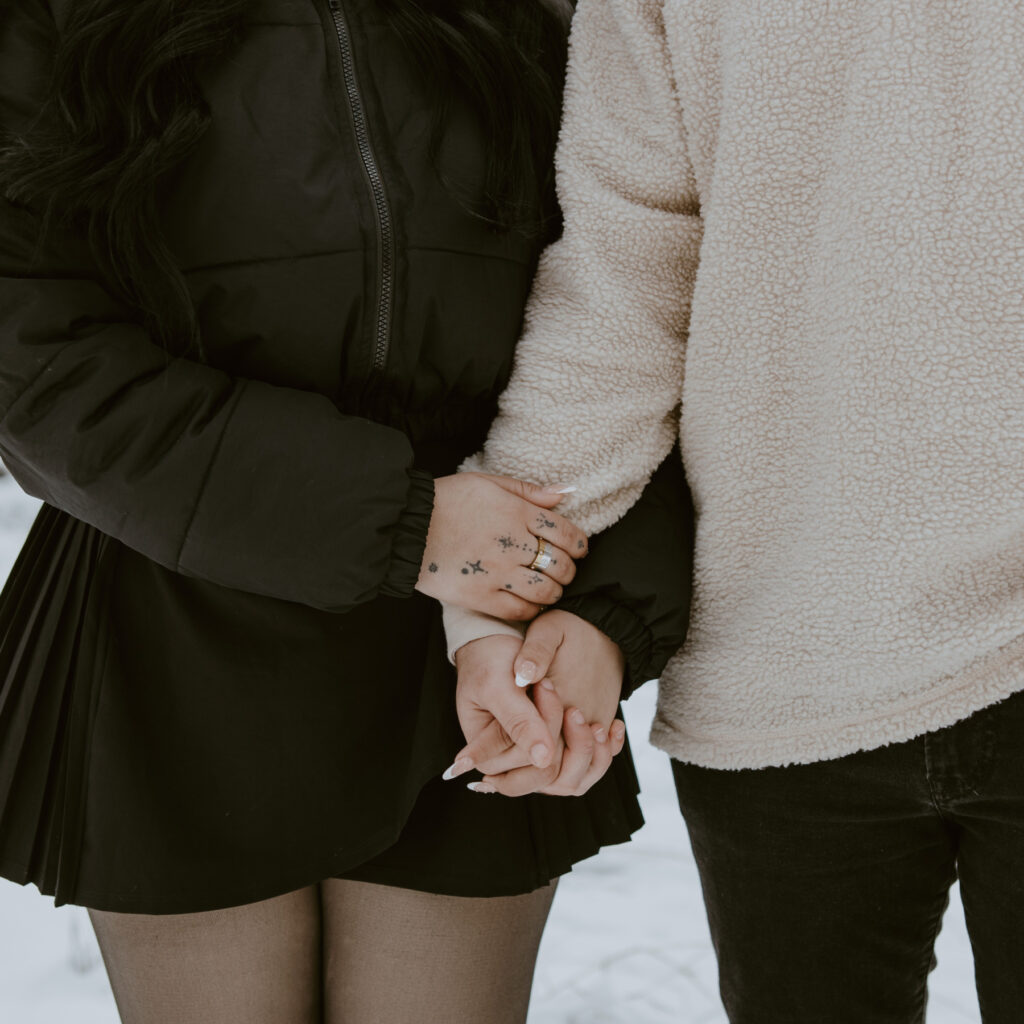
525 726
540 646
545 497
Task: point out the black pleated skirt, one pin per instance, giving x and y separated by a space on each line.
168 746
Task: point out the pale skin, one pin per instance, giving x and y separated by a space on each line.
483 535
578 673
555 732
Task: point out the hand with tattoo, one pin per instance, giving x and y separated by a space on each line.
484 533
577 672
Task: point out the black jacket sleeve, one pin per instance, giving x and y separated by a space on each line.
634 584
260 488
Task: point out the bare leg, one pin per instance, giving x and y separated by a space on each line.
395 956
257 964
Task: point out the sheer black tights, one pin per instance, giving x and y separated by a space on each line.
258 963
337 953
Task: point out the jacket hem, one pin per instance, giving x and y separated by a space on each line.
984 682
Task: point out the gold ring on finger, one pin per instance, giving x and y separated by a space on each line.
544 556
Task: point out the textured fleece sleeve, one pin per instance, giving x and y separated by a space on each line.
597 380
260 488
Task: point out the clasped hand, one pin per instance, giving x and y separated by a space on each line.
557 735
555 732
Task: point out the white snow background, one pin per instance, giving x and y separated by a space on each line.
627 942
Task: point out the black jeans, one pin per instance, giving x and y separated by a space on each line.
825 884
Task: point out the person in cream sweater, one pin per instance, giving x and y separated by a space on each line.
794 243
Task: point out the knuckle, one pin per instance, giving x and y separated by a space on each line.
519 611
511 787
518 729
570 784
486 759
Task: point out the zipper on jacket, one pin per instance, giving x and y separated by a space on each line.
385 233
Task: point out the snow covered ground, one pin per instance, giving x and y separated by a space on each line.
627 942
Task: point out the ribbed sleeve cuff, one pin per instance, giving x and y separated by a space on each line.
462 626
623 626
410 537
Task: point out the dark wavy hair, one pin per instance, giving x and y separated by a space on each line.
124 109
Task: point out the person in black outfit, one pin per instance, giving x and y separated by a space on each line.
262 269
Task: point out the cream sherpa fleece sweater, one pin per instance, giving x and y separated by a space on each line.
803 222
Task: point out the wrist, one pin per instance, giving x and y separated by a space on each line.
484 647
463 626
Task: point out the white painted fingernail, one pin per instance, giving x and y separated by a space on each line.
577 716
601 736
525 673
565 490
481 787
458 767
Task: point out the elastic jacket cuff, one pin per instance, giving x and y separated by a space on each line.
410 537
622 625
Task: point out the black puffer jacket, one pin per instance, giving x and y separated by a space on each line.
359 323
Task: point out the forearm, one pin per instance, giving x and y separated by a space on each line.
593 397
